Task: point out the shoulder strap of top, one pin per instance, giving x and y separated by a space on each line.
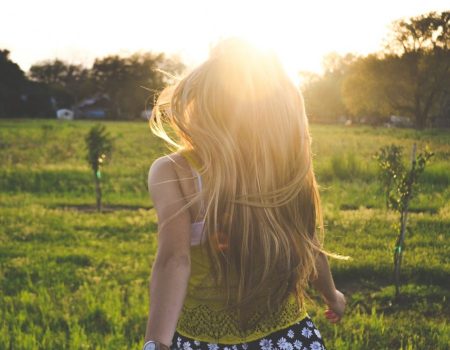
199 179
193 165
199 185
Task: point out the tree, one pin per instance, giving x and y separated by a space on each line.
322 94
425 33
366 88
411 77
398 183
130 81
99 147
12 85
68 82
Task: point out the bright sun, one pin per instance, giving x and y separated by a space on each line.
290 29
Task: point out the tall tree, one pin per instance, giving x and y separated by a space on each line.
12 83
69 82
422 43
424 33
322 94
130 81
411 77
365 89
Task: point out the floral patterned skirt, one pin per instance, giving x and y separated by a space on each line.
300 336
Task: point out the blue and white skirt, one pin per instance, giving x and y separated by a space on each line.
300 336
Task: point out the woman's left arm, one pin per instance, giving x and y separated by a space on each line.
172 267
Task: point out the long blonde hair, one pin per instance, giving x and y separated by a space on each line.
244 120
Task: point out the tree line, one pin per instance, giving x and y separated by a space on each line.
129 82
409 77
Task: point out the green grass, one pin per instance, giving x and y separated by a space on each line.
71 278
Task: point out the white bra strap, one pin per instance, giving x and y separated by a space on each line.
200 187
199 180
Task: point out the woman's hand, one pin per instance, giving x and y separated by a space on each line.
336 307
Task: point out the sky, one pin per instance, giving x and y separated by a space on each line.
301 32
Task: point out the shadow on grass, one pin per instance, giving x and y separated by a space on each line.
107 208
425 293
369 278
413 209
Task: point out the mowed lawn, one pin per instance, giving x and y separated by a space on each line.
71 278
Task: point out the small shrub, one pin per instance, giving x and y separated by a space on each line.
398 183
99 147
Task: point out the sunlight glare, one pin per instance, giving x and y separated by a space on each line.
279 28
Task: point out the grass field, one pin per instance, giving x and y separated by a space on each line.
71 278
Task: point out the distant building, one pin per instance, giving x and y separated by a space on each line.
64 114
371 120
399 122
95 107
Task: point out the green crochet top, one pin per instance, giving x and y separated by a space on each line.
204 317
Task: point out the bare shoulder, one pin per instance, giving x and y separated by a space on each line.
170 205
165 170
160 170
167 165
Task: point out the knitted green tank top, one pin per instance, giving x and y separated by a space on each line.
204 318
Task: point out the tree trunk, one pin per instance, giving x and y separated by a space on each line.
98 193
420 121
419 116
403 217
399 252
